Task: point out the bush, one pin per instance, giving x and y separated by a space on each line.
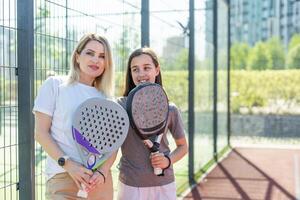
259 58
249 89
260 88
293 58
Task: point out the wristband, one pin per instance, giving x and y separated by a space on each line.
97 170
169 159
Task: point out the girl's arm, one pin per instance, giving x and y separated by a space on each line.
42 135
160 161
180 151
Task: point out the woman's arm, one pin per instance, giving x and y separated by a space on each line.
42 135
108 163
160 161
98 178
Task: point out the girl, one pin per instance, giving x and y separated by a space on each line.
136 179
91 75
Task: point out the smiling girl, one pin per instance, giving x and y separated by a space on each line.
136 179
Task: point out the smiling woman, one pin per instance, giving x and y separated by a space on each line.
91 53
91 75
91 61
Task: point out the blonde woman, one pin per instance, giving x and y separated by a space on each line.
91 75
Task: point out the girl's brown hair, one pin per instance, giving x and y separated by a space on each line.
129 84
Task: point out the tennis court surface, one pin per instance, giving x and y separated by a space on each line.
252 173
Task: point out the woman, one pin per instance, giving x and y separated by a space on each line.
91 75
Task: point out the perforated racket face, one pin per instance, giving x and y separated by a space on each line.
149 109
100 125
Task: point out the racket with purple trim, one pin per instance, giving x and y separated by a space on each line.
148 110
99 128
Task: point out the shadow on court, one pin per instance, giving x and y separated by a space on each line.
252 173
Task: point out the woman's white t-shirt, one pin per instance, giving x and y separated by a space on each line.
59 100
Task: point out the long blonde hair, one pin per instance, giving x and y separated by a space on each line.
104 82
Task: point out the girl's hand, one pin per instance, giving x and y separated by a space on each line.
97 178
158 160
79 174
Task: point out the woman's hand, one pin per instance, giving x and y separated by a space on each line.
158 160
79 174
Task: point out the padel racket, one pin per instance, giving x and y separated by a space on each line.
148 110
99 128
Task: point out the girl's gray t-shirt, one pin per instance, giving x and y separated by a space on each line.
135 166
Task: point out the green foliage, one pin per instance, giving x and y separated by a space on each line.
8 90
259 58
178 62
258 88
176 85
238 55
123 47
295 41
181 59
276 53
264 55
293 58
249 89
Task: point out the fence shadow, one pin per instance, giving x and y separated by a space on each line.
236 177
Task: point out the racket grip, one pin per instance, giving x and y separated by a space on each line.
157 171
82 193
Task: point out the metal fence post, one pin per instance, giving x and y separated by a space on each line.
228 77
145 23
25 56
191 117
215 76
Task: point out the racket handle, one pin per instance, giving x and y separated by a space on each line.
157 171
82 193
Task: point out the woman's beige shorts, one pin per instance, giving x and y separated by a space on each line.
62 187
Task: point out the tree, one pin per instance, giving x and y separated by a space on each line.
181 60
295 40
259 57
293 58
276 53
239 55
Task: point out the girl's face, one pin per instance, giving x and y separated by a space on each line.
91 61
143 69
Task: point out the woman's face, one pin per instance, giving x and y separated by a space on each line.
91 61
143 69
